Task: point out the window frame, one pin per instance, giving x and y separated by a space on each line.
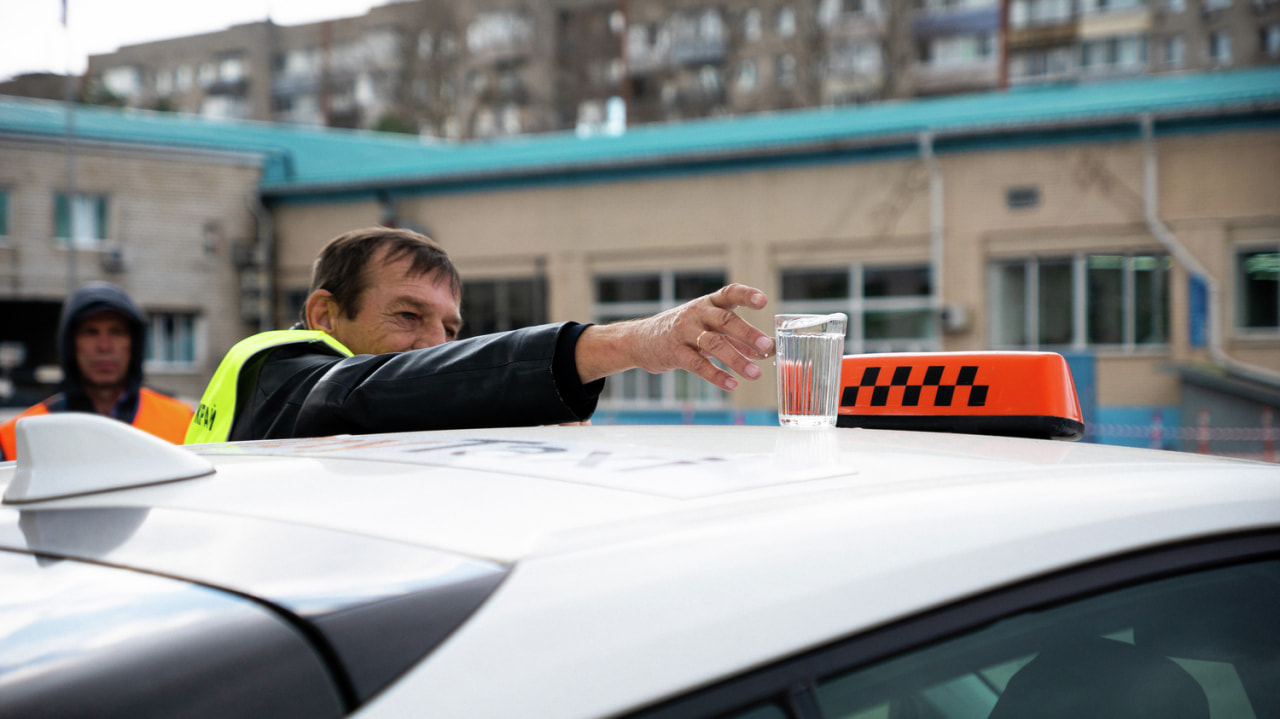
858 305
1238 288
790 683
156 341
6 215
1219 47
100 224
673 388
505 293
1080 303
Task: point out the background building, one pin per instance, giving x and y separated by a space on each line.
173 226
486 68
1131 225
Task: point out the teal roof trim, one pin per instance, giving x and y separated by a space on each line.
306 161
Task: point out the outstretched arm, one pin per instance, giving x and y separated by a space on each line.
684 337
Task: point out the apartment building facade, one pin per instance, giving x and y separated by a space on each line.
461 69
1132 226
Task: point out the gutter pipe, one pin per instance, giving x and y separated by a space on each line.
937 226
266 255
1184 257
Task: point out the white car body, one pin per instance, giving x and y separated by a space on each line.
646 562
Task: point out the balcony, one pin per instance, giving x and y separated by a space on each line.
955 77
928 23
500 37
697 50
1129 20
229 88
1064 32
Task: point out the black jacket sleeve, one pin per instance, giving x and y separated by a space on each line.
519 378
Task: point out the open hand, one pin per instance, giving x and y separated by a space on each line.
685 337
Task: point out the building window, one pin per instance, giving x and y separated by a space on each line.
958 50
1220 47
709 79
785 71
1270 41
206 74
1114 54
623 297
847 56
787 21
171 340
1175 5
746 81
1258 289
4 213
498 31
1022 197
231 69
1114 5
82 218
752 25
1175 51
124 81
889 308
1043 64
1082 301
490 306
1023 13
1216 4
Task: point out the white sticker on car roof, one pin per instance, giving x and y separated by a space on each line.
662 471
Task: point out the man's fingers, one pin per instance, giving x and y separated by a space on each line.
735 295
746 350
697 363
726 349
730 325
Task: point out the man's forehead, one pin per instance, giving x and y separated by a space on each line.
401 268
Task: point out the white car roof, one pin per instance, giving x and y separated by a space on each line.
648 560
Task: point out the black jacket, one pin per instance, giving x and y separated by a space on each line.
518 378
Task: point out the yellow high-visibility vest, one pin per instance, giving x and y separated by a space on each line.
217 410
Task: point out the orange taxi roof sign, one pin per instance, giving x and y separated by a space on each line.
1021 394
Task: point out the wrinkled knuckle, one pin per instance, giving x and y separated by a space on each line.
721 318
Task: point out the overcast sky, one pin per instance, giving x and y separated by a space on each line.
32 38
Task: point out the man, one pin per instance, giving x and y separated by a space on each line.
375 353
101 341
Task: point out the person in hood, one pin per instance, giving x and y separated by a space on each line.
101 339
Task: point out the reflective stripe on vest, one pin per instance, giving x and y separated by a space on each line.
212 420
165 417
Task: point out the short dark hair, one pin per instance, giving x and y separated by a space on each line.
342 267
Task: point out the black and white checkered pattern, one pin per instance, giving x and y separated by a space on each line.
943 394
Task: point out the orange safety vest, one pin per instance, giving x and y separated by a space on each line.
165 417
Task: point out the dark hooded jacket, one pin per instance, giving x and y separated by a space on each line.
95 297
145 409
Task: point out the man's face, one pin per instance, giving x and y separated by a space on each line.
400 311
103 345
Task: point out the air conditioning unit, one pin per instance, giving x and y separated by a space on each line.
955 318
113 259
